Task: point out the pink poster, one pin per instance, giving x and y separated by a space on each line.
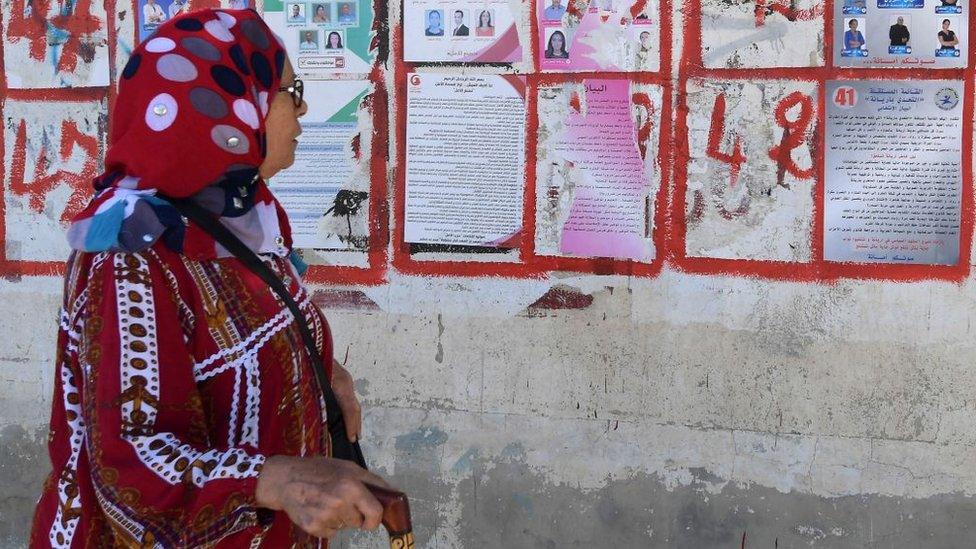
596 181
598 35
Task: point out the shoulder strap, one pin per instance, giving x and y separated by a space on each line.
341 446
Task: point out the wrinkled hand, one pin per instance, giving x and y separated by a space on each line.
321 495
352 412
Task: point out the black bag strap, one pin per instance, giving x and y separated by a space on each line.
342 447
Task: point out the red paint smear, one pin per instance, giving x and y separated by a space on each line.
783 8
344 299
574 103
644 132
43 183
561 298
637 8
714 149
79 26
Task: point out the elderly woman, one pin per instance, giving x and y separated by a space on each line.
186 411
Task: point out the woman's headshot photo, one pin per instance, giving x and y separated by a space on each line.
308 40
296 13
321 13
486 25
333 41
853 37
435 23
947 37
556 45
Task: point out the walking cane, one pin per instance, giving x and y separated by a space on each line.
396 516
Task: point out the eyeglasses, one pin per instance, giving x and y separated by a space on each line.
296 90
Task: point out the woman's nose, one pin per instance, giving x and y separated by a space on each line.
302 109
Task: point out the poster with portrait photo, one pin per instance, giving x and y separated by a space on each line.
334 40
854 41
947 41
605 37
900 34
322 13
911 44
308 39
487 32
353 20
556 49
948 7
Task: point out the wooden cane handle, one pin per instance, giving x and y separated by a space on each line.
396 516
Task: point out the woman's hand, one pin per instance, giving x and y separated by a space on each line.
321 495
352 412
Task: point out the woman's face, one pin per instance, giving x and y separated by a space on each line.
334 40
557 42
945 25
853 24
485 19
282 128
435 19
320 11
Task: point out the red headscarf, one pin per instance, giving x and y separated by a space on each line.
189 121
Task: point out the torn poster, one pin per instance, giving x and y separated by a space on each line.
326 190
597 173
901 33
481 31
893 182
599 35
465 169
55 44
324 38
153 13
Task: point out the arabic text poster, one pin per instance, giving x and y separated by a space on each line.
602 35
478 31
326 190
596 169
465 170
893 186
324 38
901 33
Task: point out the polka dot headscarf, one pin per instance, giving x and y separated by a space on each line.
196 94
189 121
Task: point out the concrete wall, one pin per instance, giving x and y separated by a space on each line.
683 410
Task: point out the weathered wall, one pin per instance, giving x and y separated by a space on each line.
680 410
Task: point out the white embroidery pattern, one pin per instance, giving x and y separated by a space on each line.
177 462
138 353
69 499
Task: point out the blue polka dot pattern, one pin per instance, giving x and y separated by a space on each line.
228 80
237 56
262 70
208 103
280 63
189 24
252 31
132 66
200 48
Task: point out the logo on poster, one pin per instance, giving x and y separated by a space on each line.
415 80
947 99
845 97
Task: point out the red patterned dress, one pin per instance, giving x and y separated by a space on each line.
175 378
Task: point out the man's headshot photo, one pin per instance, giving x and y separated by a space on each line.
308 40
296 13
460 29
898 32
554 11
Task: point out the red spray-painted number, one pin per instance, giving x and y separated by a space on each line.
715 133
37 189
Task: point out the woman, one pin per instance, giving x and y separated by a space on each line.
434 27
321 15
556 49
186 412
484 28
334 42
947 38
853 39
